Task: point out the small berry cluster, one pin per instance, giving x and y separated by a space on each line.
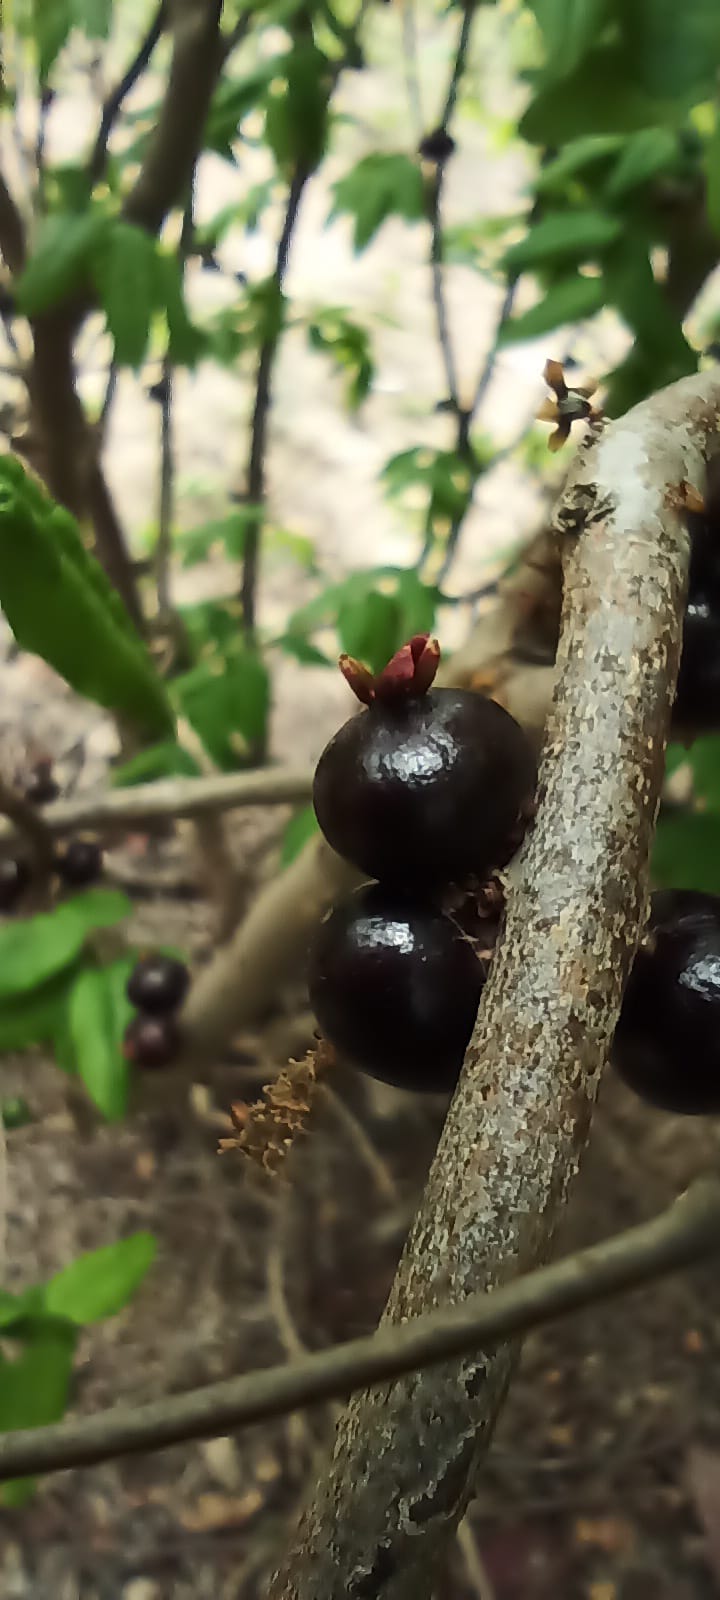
425 792
78 863
157 987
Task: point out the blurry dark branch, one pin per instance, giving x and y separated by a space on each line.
163 547
46 100
459 63
12 231
107 401
520 1117
437 254
687 1232
115 100
255 485
27 823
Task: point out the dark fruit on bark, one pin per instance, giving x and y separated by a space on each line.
424 788
14 879
697 697
158 984
151 1042
395 988
667 1041
80 863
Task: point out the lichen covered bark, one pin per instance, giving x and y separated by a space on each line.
406 1455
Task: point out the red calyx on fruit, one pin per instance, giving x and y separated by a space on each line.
426 786
151 1042
667 1041
395 987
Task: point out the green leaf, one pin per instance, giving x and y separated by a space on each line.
349 346
712 177
296 120
577 156
61 605
94 17
51 23
301 827
382 185
233 99
570 300
602 96
227 700
123 266
704 760
300 648
197 544
673 50
165 760
33 1017
186 343
62 255
36 949
630 285
34 1386
98 1012
686 853
15 1113
646 153
563 236
369 628
100 1283
569 28
418 603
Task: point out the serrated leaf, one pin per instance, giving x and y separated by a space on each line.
571 300
569 28
301 827
563 236
233 99
63 253
36 949
672 50
123 266
577 156
227 700
61 605
99 1284
645 154
382 185
349 346
369 628
51 24
34 1386
186 343
98 1012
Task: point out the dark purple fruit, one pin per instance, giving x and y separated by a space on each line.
14 879
158 984
697 697
425 786
667 1041
395 988
80 863
437 146
151 1042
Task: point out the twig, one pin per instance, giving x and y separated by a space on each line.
438 286
114 102
107 402
460 62
261 407
152 803
474 1564
12 230
163 548
406 1457
362 1144
46 100
688 1231
27 822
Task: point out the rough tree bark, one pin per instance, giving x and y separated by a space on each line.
406 1456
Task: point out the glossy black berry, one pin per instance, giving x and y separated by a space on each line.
395 988
158 984
14 879
80 863
425 786
41 787
437 146
697 697
151 1042
667 1042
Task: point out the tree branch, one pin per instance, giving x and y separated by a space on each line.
149 803
27 822
12 230
687 1232
406 1457
114 102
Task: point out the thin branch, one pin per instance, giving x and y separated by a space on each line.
12 230
114 102
438 288
460 62
406 1457
687 1232
149 804
261 408
163 547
